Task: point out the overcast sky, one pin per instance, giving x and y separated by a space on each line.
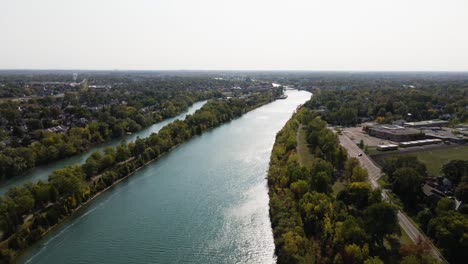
235 35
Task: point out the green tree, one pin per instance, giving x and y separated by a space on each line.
359 174
407 184
314 206
455 170
356 194
424 216
350 164
381 220
299 187
122 153
461 192
450 230
373 260
355 254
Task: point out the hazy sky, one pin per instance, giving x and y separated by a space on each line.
234 35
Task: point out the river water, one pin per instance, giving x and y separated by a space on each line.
43 172
204 202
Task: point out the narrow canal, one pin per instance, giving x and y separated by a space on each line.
204 202
43 172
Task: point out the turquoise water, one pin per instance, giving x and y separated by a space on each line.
204 202
43 172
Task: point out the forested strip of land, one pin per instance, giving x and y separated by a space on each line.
310 223
28 212
108 123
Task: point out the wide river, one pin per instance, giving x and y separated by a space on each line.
43 172
204 202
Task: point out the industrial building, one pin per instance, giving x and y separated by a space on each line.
427 123
387 147
394 132
447 134
422 142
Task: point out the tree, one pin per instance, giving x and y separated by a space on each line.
359 174
455 170
420 250
424 217
140 147
356 194
445 205
381 220
361 144
321 182
68 181
91 168
341 156
349 232
320 165
314 206
450 230
299 187
394 163
350 164
122 153
293 246
355 254
461 192
407 184
373 260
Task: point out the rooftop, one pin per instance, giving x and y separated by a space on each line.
427 123
394 129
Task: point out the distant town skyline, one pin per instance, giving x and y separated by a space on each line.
320 35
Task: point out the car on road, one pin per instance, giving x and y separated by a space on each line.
360 154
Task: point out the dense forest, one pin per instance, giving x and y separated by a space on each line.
28 212
311 223
48 116
346 106
43 146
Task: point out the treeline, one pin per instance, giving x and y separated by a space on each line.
436 217
26 213
310 223
107 123
346 106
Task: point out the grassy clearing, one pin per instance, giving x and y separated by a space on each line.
436 158
394 242
337 187
404 238
305 157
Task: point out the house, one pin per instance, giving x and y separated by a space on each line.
56 129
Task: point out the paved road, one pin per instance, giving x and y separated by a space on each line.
374 174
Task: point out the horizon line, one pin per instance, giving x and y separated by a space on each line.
232 70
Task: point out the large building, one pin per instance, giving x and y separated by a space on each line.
447 134
394 132
427 123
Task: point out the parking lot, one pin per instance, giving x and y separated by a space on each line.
356 134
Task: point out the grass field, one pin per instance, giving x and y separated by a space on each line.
305 157
436 158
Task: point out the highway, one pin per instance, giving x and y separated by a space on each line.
374 174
